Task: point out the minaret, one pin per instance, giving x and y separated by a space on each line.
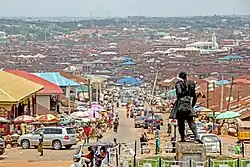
214 42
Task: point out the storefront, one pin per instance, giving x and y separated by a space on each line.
17 97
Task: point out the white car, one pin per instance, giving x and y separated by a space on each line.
57 137
211 141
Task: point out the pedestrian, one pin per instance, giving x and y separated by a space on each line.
116 124
99 134
237 148
169 129
40 144
87 132
158 145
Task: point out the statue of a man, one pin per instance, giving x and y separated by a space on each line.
183 107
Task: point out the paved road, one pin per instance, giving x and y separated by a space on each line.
126 131
63 158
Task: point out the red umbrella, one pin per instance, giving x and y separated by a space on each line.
24 119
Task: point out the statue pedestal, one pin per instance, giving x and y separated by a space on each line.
190 151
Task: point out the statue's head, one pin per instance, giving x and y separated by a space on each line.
183 75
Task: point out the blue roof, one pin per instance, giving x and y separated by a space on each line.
57 79
129 63
129 81
126 58
229 57
220 82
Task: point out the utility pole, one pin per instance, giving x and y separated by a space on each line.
208 95
89 90
213 109
238 96
230 93
222 94
69 102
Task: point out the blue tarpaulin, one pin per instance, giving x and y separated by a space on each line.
126 58
129 63
129 81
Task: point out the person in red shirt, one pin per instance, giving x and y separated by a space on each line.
87 131
109 122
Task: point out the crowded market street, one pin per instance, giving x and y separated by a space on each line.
19 157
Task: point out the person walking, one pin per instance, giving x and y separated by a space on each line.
87 132
40 144
99 134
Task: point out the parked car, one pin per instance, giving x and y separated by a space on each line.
153 118
2 146
211 141
57 137
139 121
149 120
200 129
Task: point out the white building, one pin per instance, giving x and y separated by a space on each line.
205 45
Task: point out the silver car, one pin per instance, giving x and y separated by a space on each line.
211 141
57 137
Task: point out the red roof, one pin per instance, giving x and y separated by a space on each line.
49 88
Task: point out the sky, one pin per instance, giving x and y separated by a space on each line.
121 8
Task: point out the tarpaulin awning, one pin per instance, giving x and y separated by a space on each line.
129 63
129 81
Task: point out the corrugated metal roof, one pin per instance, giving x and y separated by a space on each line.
78 79
57 79
49 87
14 89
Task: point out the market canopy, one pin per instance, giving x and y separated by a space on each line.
57 79
14 89
228 115
224 82
171 93
129 81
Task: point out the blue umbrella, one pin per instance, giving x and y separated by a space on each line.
228 115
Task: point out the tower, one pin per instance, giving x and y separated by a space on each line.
214 41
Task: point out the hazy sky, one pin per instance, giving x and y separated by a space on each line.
121 8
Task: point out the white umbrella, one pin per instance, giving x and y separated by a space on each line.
4 120
80 114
